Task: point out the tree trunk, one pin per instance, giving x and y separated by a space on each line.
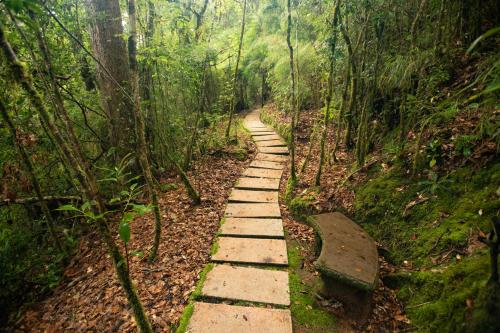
326 120
342 111
293 103
233 91
106 35
142 147
354 85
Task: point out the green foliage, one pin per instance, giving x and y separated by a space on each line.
464 144
435 185
29 264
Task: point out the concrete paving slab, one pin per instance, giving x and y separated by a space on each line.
267 165
252 227
223 318
274 150
348 253
253 210
256 134
258 183
270 143
253 196
247 284
262 173
251 251
267 137
261 130
270 157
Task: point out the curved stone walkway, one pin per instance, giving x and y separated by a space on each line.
251 256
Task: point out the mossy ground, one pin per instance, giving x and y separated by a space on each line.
306 313
436 238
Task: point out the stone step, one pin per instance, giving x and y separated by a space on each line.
270 157
251 251
260 129
262 173
247 284
267 165
254 123
267 137
252 227
274 150
260 133
253 196
258 183
223 318
253 210
270 143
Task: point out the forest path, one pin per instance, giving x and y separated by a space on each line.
247 289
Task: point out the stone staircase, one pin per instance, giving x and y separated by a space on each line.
250 263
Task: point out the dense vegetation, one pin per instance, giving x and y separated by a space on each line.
101 98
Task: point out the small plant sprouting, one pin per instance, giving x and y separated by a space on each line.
435 184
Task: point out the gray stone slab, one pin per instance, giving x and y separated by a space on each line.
274 150
267 165
260 129
348 253
238 195
223 318
253 210
257 133
257 129
253 123
270 143
258 183
251 251
267 137
252 227
247 284
270 157
262 173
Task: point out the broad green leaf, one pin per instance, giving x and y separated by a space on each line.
128 217
142 209
124 231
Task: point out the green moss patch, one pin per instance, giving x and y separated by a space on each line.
195 295
305 312
453 299
416 225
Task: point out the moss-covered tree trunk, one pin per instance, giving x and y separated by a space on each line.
354 86
329 93
342 112
142 147
293 103
235 76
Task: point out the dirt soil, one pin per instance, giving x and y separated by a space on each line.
90 299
